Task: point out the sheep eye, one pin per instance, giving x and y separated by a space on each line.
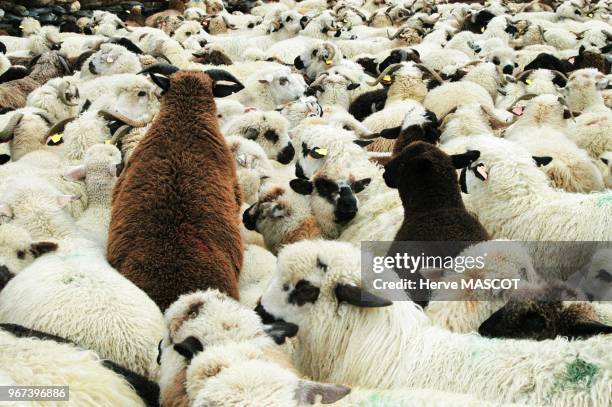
314 53
321 265
285 287
283 81
515 65
21 254
288 19
188 34
345 127
219 116
603 275
577 12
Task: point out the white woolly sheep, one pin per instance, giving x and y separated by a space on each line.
325 299
253 165
111 59
267 89
58 98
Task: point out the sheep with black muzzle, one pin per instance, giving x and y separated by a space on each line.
317 59
268 129
317 287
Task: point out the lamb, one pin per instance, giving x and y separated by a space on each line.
91 380
323 290
269 88
18 250
50 65
281 215
541 129
268 129
200 210
100 169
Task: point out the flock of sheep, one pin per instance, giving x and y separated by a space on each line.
183 197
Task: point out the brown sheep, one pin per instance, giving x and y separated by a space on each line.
50 65
175 224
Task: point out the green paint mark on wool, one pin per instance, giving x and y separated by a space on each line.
580 372
605 200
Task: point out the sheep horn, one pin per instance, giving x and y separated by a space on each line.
64 64
159 68
397 33
58 127
7 132
108 115
542 33
221 75
523 74
562 100
61 90
432 72
119 133
558 73
526 6
526 96
359 13
227 23
494 120
388 71
473 62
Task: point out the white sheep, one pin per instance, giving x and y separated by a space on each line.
317 287
269 88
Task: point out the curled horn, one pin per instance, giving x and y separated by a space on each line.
388 71
330 50
359 13
119 133
221 75
7 132
523 74
64 64
432 72
447 117
397 33
228 24
59 127
558 73
494 120
108 115
159 68
542 33
61 90
526 96
470 63
580 35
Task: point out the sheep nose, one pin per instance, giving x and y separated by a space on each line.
249 220
346 208
5 276
297 62
4 158
286 154
508 69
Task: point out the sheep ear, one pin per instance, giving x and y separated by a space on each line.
65 200
301 186
189 347
391 133
75 173
605 161
391 174
352 86
161 81
221 91
308 392
358 297
40 248
14 73
542 161
5 210
360 185
587 328
465 159
279 331
363 143
2 48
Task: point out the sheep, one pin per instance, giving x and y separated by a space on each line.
111 59
89 378
206 318
50 65
324 298
5 153
58 97
593 281
606 168
99 169
253 166
189 105
268 129
267 89
226 375
258 269
299 109
282 215
18 250
504 208
541 129
25 132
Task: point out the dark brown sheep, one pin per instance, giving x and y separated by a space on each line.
175 224
50 65
543 315
433 208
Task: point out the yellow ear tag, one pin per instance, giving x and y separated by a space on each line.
528 81
590 14
21 27
55 139
321 151
482 29
107 141
328 62
387 78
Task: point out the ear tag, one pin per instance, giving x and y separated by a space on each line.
528 82
328 62
482 170
321 151
109 60
107 141
590 15
386 78
482 29
21 27
571 60
517 110
55 139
